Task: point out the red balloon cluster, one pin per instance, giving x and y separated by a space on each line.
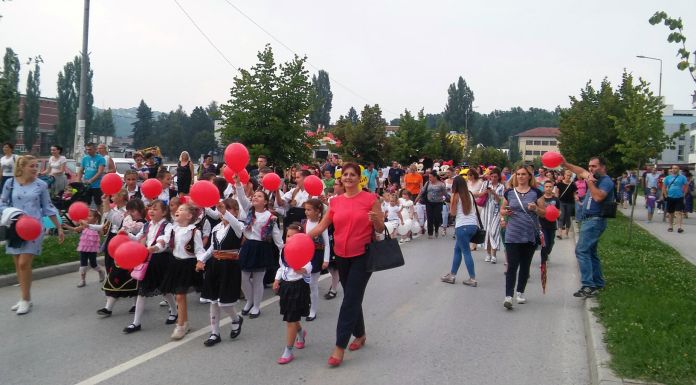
78 211
552 213
244 176
151 188
228 173
115 242
313 185
271 181
130 254
551 159
111 183
28 228
205 194
236 156
298 250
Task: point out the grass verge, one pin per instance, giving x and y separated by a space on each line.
51 253
647 307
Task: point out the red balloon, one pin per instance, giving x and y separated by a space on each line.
78 211
551 159
28 228
115 242
184 199
236 156
228 173
111 183
130 254
313 185
205 194
151 188
552 213
298 250
271 182
244 176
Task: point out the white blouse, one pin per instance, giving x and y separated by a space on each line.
150 237
182 236
300 198
255 232
115 216
324 235
56 165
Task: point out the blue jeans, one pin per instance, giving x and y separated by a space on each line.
463 235
586 251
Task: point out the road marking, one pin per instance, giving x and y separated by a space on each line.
130 364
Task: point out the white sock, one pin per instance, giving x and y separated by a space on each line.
171 301
300 335
287 352
258 291
334 279
314 293
110 301
215 318
139 309
232 312
247 289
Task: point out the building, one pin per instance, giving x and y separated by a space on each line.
683 152
537 141
48 123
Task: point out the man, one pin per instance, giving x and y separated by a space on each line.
91 171
673 189
600 192
261 163
371 175
506 174
395 174
104 152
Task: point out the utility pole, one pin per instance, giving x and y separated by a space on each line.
79 143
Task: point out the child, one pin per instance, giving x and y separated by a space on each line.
88 247
407 214
333 289
650 202
223 276
158 261
165 178
547 227
185 242
314 210
626 196
131 179
293 289
393 215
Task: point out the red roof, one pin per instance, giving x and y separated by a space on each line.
552 132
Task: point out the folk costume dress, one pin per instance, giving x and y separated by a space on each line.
186 245
158 263
118 283
223 275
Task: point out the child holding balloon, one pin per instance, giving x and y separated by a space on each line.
88 247
548 227
291 285
322 253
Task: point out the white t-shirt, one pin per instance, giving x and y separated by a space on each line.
464 219
393 213
56 165
7 164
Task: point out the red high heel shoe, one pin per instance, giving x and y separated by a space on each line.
357 344
334 362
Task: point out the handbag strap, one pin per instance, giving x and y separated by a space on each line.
536 223
475 208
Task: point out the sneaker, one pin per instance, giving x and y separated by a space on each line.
585 292
443 231
520 298
180 331
401 241
447 278
15 306
494 260
24 307
164 303
488 258
470 282
508 303
202 300
81 283
407 239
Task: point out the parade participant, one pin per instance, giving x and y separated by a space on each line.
91 171
140 167
491 215
294 199
650 200
88 247
56 168
548 227
131 185
371 175
566 195
395 174
434 195
207 166
165 178
466 224
392 213
322 254
152 163
331 294
413 181
674 187
408 214
184 174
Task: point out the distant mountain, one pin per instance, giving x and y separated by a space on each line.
124 119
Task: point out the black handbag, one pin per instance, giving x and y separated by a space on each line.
480 235
384 254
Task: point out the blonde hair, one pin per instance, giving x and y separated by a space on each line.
193 210
21 162
181 156
532 180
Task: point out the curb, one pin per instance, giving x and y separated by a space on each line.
46 272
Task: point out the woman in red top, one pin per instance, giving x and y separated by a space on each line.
356 214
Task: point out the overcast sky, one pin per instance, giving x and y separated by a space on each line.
396 53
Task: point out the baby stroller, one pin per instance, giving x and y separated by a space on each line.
75 192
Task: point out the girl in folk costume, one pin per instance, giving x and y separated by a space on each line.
294 199
331 294
165 178
322 252
187 247
261 232
131 179
118 283
223 275
88 247
291 285
158 263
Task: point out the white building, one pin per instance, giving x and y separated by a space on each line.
683 152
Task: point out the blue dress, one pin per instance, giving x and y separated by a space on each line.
34 200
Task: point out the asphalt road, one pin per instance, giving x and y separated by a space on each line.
419 331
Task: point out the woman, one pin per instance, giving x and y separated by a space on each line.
413 181
566 193
477 187
140 167
433 195
56 168
30 195
523 203
466 225
356 215
491 215
7 162
184 174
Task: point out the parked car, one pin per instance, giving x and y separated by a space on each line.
123 165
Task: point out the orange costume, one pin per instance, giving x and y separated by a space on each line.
413 182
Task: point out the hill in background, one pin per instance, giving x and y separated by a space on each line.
124 119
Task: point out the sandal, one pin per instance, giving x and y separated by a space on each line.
235 332
680 230
330 295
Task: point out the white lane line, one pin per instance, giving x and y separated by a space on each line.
130 364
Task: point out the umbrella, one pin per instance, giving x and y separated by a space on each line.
543 277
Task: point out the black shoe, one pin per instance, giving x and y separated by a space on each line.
245 311
330 295
585 292
235 332
132 310
104 312
171 319
310 319
212 340
252 315
132 328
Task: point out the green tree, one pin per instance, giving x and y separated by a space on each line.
677 37
9 96
143 127
411 138
353 115
103 123
213 111
201 129
488 156
68 99
364 141
460 99
31 105
496 128
321 100
443 146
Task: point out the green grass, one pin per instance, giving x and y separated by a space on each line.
648 307
51 253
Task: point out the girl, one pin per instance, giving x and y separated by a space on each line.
393 215
261 232
88 247
292 287
322 253
223 276
407 213
131 178
185 242
331 294
166 179
158 261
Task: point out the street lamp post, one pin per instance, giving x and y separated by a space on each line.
659 90
79 139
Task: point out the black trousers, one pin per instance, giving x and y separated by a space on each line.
433 211
549 239
519 256
88 258
353 275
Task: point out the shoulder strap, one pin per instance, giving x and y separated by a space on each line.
475 207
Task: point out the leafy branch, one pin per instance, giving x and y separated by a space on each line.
676 36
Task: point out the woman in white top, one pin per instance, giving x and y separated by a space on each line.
7 162
56 168
104 152
466 225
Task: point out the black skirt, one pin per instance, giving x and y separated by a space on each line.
257 255
317 260
154 275
294 300
222 282
182 277
119 283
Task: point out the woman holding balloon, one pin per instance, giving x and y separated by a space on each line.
28 195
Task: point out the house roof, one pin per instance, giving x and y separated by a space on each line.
553 132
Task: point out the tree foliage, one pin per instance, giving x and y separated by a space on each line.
442 145
267 110
143 127
322 98
411 139
496 128
103 123
31 105
363 141
68 100
460 99
487 156
9 96
677 37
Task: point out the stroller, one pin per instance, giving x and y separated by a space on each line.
76 191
